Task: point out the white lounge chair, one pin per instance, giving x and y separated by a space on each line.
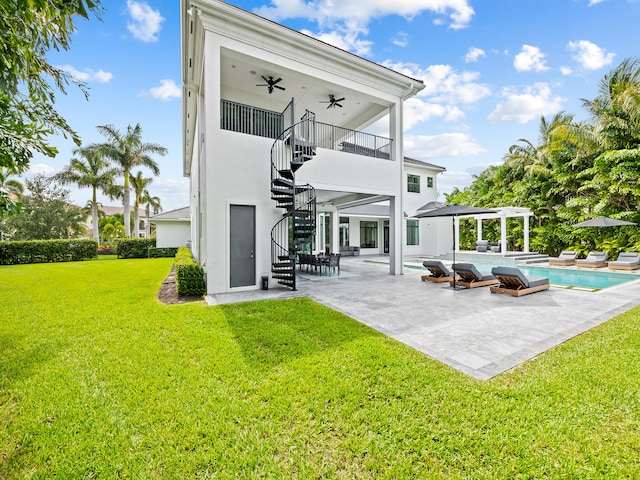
566 258
594 260
626 261
513 282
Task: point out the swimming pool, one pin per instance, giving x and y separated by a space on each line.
570 277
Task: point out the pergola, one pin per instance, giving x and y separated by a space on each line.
501 213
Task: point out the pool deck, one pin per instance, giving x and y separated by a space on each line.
474 331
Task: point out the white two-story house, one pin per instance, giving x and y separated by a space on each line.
276 152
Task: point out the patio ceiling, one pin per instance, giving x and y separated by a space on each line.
241 73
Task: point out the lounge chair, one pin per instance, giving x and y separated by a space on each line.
626 261
566 258
594 260
439 273
470 277
515 283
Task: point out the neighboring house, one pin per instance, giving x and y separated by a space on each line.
111 210
173 228
275 147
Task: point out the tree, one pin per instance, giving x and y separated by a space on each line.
139 184
128 151
46 213
91 170
151 203
29 29
10 193
111 227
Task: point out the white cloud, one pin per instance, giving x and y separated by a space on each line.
401 39
530 58
566 70
474 54
440 146
167 90
595 2
443 84
346 38
523 107
173 193
87 75
459 12
417 111
40 168
145 22
589 55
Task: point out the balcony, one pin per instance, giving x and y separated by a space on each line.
250 120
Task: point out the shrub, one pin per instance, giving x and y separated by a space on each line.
162 252
134 247
189 275
43 251
107 249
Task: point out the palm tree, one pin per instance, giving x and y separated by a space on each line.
128 151
89 169
150 203
13 187
139 184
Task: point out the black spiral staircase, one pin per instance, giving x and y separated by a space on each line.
292 149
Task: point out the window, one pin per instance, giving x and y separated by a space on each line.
368 234
430 182
413 183
413 237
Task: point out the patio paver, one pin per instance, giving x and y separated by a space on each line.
474 331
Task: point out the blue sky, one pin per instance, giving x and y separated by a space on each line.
491 69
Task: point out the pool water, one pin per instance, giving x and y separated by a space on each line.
572 277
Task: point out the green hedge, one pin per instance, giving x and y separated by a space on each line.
43 251
134 247
162 252
189 275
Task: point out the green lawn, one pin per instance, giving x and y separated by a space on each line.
99 380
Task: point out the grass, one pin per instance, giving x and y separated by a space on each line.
99 380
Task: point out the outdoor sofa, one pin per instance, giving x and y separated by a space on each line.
349 251
626 261
439 272
566 258
513 282
594 260
470 277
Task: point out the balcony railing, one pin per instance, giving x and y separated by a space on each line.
250 120
237 117
352 141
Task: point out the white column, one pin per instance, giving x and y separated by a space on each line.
479 221
456 234
395 236
525 219
396 230
503 234
335 231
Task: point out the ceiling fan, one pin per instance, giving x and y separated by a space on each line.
271 83
333 102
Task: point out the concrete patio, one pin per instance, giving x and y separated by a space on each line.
478 333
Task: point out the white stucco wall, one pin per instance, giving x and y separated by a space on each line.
172 233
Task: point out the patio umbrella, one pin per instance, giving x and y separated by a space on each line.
453 211
603 222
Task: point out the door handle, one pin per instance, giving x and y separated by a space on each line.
251 256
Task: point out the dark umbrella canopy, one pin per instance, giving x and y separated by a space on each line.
603 222
453 211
